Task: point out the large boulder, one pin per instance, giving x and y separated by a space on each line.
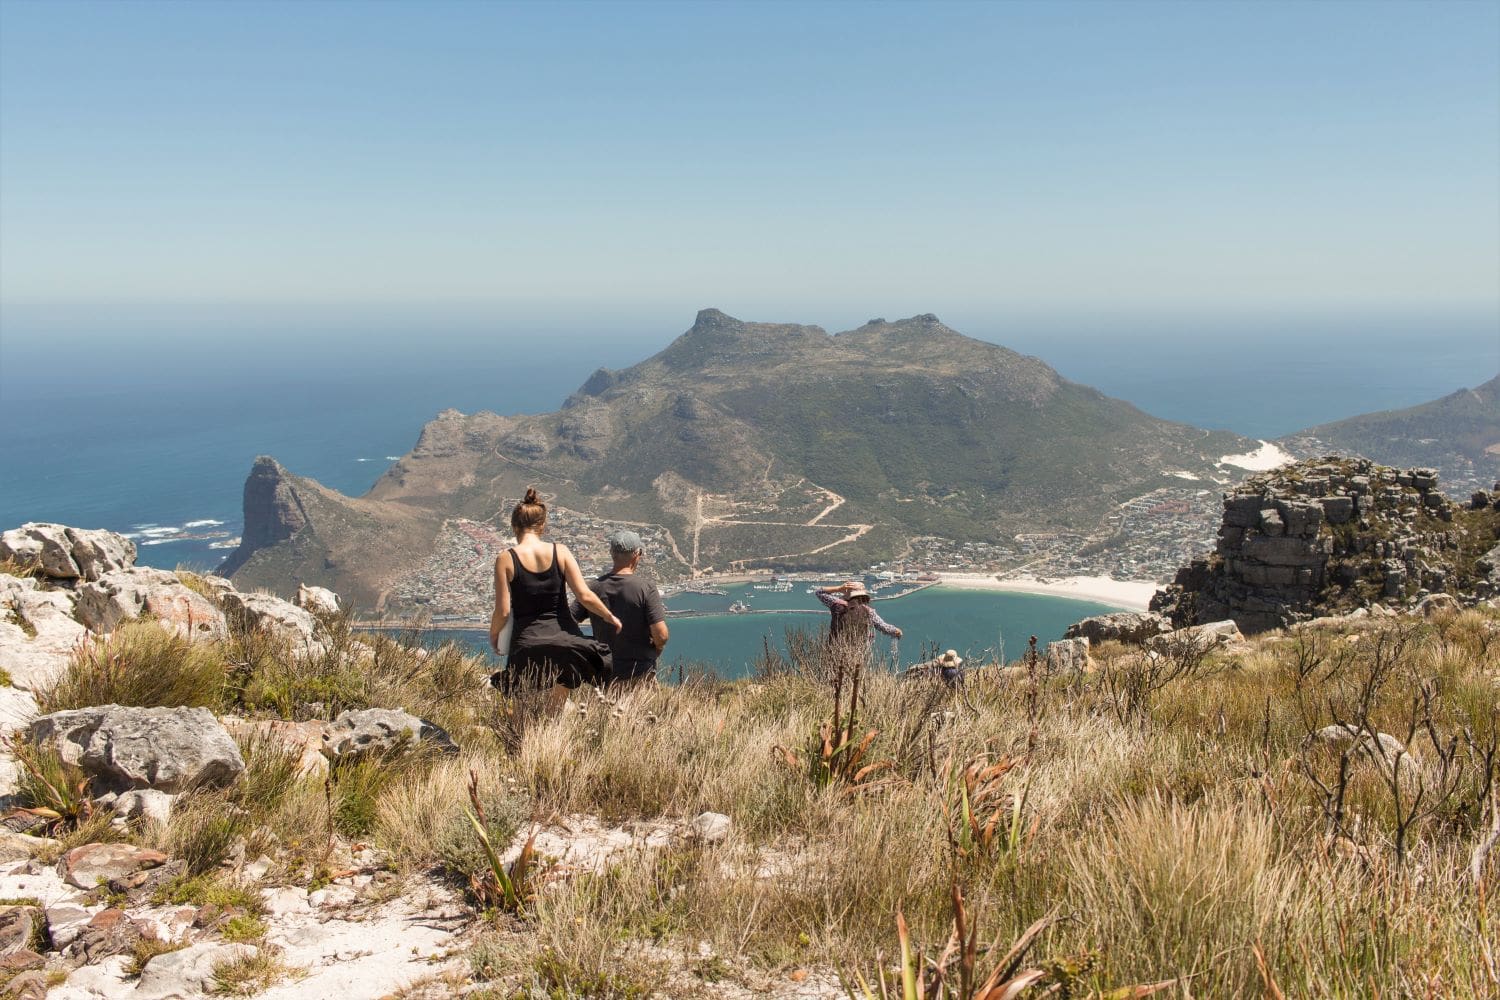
381 730
123 594
64 553
282 619
1209 636
318 600
1124 626
121 748
38 633
1069 656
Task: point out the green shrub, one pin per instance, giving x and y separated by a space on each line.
142 664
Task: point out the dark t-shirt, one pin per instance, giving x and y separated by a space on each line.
637 603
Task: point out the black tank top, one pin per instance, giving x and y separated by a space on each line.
536 596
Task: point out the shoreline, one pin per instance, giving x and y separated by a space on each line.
1128 595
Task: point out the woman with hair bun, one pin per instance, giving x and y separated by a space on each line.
532 580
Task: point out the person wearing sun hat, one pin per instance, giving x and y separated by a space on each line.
949 667
851 618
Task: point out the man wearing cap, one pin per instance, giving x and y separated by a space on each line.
852 617
637 603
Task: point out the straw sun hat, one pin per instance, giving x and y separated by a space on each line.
856 589
951 659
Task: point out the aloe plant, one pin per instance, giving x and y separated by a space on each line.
509 887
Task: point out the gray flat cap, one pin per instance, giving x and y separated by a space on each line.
624 541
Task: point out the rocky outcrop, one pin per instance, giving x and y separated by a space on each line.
38 632
281 619
381 730
1069 656
1125 626
129 593
64 553
1325 536
318 600
273 512
121 748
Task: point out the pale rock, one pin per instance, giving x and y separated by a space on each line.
15 846
1125 626
381 730
17 710
285 900
93 864
126 594
1381 749
281 619
1069 656
167 923
318 600
218 584
122 748
1222 633
305 739
1438 604
66 921
188 973
711 827
147 804
65 553
38 634
90 982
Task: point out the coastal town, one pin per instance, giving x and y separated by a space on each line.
1142 541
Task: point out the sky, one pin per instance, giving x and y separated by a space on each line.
168 165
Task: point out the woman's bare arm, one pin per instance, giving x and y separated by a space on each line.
590 600
502 602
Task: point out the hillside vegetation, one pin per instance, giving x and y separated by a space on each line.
913 427
1179 817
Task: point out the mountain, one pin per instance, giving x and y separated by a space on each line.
1458 435
741 446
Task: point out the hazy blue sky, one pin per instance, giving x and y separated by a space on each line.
819 163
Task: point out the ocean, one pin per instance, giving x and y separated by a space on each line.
154 440
979 624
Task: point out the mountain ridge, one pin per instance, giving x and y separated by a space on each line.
760 445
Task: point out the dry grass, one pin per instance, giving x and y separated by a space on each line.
142 664
1179 831
1178 818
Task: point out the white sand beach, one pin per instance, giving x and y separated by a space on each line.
1132 595
1267 456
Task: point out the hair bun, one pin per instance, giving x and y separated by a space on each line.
531 496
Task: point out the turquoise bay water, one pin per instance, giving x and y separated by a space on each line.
974 622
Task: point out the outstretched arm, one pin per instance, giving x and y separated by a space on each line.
502 602
596 608
883 625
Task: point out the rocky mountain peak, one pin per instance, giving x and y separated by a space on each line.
714 321
273 511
